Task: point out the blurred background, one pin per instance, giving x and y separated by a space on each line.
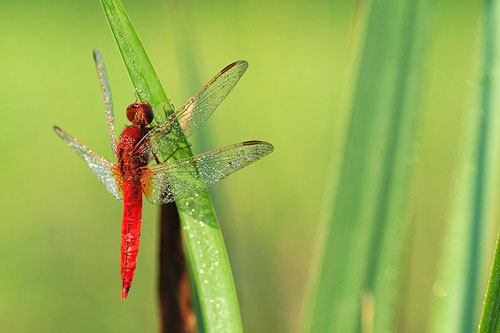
60 229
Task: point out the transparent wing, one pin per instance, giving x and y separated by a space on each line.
163 138
167 182
201 106
106 171
108 100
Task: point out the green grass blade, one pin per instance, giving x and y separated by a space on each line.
141 71
205 247
358 279
390 240
489 138
459 286
490 319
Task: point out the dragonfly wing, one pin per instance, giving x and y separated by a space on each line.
106 171
183 178
165 136
201 106
108 100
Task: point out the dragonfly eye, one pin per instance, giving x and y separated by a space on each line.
140 113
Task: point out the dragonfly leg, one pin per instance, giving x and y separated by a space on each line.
156 158
165 110
175 151
172 118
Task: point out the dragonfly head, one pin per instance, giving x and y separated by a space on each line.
140 113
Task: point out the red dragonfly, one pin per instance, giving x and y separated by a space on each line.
139 169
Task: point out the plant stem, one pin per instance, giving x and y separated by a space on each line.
173 284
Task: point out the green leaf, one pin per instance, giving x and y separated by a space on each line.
458 289
205 246
488 143
490 320
360 266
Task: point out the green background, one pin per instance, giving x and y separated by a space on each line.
60 229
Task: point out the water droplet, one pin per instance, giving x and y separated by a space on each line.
438 289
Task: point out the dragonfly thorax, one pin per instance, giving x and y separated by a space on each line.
140 113
129 160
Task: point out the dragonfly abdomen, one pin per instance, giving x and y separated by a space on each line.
131 232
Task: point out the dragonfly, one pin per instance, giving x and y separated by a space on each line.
140 169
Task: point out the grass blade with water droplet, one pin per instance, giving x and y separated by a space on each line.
204 243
